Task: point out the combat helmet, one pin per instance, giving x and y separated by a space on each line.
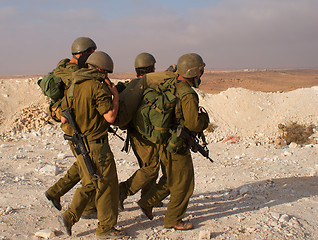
82 44
190 65
101 60
144 60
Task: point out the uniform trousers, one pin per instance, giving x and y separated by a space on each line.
177 181
106 201
148 159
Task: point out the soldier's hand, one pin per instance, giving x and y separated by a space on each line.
63 120
113 89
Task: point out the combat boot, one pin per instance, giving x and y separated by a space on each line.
122 196
183 226
147 212
65 226
55 201
113 234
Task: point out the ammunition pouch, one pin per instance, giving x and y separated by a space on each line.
54 110
176 144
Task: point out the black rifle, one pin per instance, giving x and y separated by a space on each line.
114 131
81 145
193 142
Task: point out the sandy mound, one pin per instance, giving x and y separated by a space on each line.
256 115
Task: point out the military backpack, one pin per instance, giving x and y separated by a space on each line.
155 114
52 86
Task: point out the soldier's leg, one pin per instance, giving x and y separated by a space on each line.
161 190
107 199
181 185
148 161
65 183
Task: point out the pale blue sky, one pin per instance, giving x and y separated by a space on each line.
228 34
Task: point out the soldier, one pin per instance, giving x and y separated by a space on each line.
95 102
145 177
177 166
82 48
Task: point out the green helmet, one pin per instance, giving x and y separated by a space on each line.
101 60
190 65
82 44
144 60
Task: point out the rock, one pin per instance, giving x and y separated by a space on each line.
280 142
286 153
204 234
49 170
45 233
244 190
61 156
8 210
284 218
293 145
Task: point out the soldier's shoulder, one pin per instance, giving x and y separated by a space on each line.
183 88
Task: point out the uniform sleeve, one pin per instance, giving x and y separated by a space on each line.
103 99
193 120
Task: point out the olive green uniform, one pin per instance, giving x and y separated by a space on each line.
92 99
177 168
145 177
64 70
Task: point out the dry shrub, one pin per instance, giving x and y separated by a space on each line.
298 133
210 128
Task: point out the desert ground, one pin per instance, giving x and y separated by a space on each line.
257 187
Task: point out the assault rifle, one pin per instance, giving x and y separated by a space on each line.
114 132
81 145
193 142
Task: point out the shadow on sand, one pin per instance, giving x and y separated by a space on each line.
248 197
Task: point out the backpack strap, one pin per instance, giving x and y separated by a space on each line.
71 94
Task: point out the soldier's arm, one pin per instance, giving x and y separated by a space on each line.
193 120
110 115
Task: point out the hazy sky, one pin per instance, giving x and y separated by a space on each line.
228 34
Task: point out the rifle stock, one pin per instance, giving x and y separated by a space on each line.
81 145
193 143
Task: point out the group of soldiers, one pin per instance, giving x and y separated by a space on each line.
96 103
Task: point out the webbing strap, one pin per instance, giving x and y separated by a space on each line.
71 93
161 129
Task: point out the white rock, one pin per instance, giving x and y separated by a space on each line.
204 234
61 156
49 170
45 233
284 218
286 153
293 145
